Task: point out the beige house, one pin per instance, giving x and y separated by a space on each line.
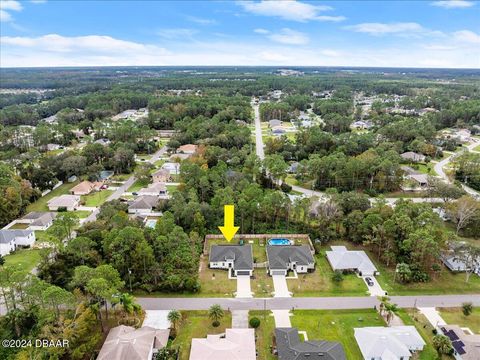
84 188
69 202
187 149
235 344
161 175
127 343
155 189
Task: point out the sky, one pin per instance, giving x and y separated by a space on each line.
443 34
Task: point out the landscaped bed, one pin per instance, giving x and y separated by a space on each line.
336 325
197 324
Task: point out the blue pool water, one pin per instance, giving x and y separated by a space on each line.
151 223
279 242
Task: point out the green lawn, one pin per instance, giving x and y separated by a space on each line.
425 168
26 258
81 213
424 328
445 282
41 204
137 185
264 334
261 283
96 198
454 316
215 282
477 148
319 283
197 324
336 325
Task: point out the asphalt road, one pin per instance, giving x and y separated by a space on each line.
325 303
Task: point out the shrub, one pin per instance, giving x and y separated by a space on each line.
254 322
62 209
216 323
285 187
337 276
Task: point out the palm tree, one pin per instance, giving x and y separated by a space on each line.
215 313
442 343
128 304
467 308
383 300
174 317
391 310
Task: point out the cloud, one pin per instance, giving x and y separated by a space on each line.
289 37
201 21
289 10
453 4
177 33
261 31
331 53
38 1
6 6
439 47
383 28
467 36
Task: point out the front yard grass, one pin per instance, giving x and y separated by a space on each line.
261 283
26 258
320 283
96 198
454 316
137 185
264 334
424 328
336 325
215 282
41 204
446 282
197 324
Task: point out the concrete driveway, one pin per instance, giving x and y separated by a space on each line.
240 319
376 289
243 287
280 285
156 319
282 318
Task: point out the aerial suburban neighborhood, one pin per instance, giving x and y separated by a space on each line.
165 197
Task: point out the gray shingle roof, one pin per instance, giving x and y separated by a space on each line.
290 347
144 202
7 235
241 254
40 218
279 256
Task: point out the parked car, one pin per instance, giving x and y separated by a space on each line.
369 281
134 193
103 187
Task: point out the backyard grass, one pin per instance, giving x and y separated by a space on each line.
424 328
96 198
215 282
197 324
120 177
41 204
264 334
425 168
336 325
26 258
320 283
137 185
477 148
454 316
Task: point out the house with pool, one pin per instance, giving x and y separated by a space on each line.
238 259
283 257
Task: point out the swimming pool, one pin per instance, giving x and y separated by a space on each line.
279 241
151 223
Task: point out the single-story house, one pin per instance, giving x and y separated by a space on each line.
10 239
69 202
360 124
155 189
465 346
172 167
102 141
127 343
456 264
289 347
306 123
239 258
392 343
52 147
351 260
161 175
179 157
143 204
187 149
274 123
278 131
412 156
420 179
282 258
235 344
84 188
38 220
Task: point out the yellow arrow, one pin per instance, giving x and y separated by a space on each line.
228 229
